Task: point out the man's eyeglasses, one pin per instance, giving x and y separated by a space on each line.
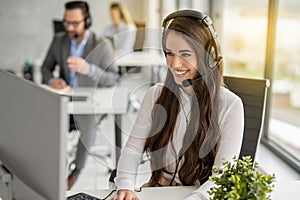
73 23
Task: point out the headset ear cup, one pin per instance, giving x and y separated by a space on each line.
210 56
87 22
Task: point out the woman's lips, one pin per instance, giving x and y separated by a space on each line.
181 72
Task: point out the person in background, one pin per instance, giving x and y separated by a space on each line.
122 31
191 121
82 61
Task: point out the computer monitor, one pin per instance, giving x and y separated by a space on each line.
33 122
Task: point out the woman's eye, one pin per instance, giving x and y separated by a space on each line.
169 53
185 54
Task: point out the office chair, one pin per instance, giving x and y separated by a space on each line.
58 26
140 36
253 93
102 153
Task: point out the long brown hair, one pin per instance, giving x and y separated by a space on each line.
202 135
124 12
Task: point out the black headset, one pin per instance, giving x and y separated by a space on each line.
211 48
85 10
87 18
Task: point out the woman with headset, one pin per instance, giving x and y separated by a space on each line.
191 121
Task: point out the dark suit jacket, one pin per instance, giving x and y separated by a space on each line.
100 53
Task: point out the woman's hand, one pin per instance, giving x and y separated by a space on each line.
125 194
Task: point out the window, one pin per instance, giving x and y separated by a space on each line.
243 37
243 26
185 4
284 124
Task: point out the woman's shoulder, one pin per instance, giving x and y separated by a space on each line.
152 94
228 97
108 31
156 89
126 26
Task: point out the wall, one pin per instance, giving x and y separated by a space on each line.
26 27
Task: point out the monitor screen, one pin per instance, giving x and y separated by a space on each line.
33 124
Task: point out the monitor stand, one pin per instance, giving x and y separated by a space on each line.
5 183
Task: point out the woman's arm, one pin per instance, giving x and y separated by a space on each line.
133 151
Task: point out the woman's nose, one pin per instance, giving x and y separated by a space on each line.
176 61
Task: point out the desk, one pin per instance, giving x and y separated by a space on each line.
150 193
286 190
143 59
112 100
283 190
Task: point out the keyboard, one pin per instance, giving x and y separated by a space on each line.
82 196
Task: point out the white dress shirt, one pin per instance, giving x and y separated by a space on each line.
231 122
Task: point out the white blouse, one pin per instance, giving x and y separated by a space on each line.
231 122
123 36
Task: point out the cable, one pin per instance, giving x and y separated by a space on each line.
109 194
84 196
176 169
136 190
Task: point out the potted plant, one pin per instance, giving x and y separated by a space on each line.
240 179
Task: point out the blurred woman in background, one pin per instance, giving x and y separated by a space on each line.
122 31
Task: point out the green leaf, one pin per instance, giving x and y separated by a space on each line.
240 179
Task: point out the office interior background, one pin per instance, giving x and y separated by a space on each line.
259 39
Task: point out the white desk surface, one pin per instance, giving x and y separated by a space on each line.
141 58
284 190
157 193
113 100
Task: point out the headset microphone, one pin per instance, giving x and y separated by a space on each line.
189 82
78 35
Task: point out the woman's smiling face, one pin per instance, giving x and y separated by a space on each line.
181 58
